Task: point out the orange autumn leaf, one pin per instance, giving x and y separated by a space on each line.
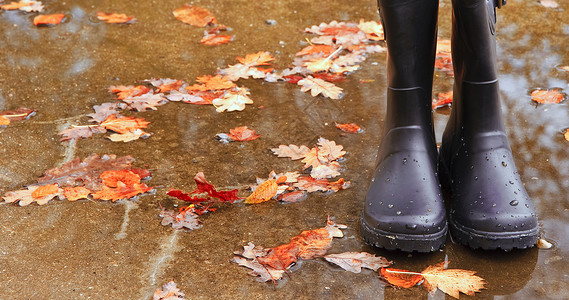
401 278
242 134
209 82
111 178
114 18
567 135
124 124
452 281
48 19
167 87
216 39
124 92
263 192
13 5
349 128
261 58
547 96
194 15
122 191
76 193
45 190
24 5
312 243
280 257
4 121
442 100
325 49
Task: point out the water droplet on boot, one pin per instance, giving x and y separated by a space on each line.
398 212
499 225
390 206
511 182
487 158
404 161
494 205
504 164
387 179
514 202
411 226
428 209
471 167
380 202
475 177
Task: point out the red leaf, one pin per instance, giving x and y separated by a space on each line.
401 279
294 79
186 197
349 128
331 77
295 196
206 187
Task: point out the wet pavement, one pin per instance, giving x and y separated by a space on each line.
100 250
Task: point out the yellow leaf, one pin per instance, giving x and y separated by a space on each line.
452 281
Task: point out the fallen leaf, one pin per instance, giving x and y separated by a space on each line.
216 39
263 192
129 136
443 99
318 86
112 177
19 114
203 186
261 58
169 291
355 261
185 219
329 150
401 278
543 244
122 191
123 91
318 65
115 18
309 184
45 190
24 5
103 111
76 193
372 29
25 197
444 63
293 151
145 101
210 83
242 134
549 3
564 68
547 96
194 15
567 135
124 124
312 49
349 128
4 121
80 132
452 281
290 197
264 273
233 101
48 19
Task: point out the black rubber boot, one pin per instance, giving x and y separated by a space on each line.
404 209
490 207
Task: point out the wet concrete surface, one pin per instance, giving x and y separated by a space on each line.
99 250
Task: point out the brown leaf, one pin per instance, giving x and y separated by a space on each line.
310 184
115 18
103 111
194 15
76 193
263 192
48 19
355 261
145 101
19 114
129 136
122 191
452 281
243 133
183 219
318 86
80 132
124 124
349 128
169 292
25 197
545 96
401 278
293 151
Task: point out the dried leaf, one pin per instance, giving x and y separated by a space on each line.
549 96
76 193
111 178
145 101
543 244
295 196
349 128
401 278
261 58
194 15
81 132
452 281
310 184
243 133
25 197
48 19
329 150
233 101
184 219
549 3
292 151
115 18
216 39
318 86
45 190
318 65
169 292
129 91
313 49
210 83
443 99
264 192
372 29
205 187
257 269
103 111
355 261
124 124
19 114
4 121
24 5
129 136
122 191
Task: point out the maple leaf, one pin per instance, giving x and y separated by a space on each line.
261 58
121 191
547 96
293 151
124 124
209 83
145 101
34 193
103 111
24 5
451 281
185 219
78 132
355 261
19 114
318 86
233 101
169 291
48 19
263 192
216 39
194 15
401 278
129 136
76 193
123 91
443 99
115 18
310 184
349 128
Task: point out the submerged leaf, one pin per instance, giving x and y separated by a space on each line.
194 15
452 281
355 261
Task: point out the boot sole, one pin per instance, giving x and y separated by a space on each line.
404 242
492 240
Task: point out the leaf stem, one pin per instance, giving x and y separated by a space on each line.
14 116
403 272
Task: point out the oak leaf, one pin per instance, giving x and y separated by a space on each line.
293 151
115 18
312 49
45 190
349 128
372 29
145 101
183 219
355 261
122 191
257 269
76 193
48 19
547 96
194 15
318 86
112 177
26 196
169 291
233 101
318 65
24 5
452 281
80 132
263 192
295 196
103 111
329 150
443 99
124 124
